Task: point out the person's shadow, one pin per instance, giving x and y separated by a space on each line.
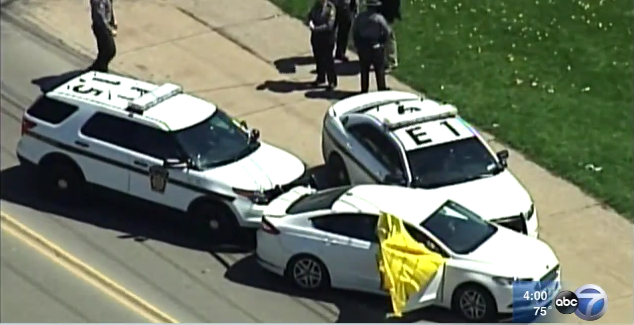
289 65
49 83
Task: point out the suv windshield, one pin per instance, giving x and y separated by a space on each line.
216 141
322 200
452 163
460 229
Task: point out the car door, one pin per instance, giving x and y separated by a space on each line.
350 248
430 292
104 144
150 180
377 156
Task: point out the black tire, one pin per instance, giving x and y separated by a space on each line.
337 170
474 304
216 218
61 180
315 266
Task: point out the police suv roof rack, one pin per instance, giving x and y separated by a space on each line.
153 98
447 112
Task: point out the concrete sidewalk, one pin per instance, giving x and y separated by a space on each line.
250 59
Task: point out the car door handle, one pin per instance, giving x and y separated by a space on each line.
82 144
140 163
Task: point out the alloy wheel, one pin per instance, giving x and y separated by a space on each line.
473 305
307 273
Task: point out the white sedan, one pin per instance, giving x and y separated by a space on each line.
399 138
328 238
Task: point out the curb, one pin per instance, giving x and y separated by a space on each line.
88 271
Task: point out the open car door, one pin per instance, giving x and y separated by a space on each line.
411 273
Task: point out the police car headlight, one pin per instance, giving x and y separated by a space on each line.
507 281
530 213
256 197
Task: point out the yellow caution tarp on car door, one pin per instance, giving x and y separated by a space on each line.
405 265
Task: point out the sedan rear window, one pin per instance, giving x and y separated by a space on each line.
322 200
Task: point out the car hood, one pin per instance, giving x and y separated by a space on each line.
515 255
263 169
495 197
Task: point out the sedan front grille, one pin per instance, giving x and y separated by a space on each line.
516 223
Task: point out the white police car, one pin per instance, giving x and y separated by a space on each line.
394 137
154 143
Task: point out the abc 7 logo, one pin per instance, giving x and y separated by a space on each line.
589 302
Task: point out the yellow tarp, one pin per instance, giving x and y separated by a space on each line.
405 265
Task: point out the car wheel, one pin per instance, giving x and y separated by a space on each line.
308 273
61 181
474 303
216 218
338 171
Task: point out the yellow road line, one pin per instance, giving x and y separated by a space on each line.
83 271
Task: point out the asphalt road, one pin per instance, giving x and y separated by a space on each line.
173 267
37 290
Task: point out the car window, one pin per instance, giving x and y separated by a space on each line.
51 111
452 163
216 141
322 200
358 226
111 129
379 146
421 238
458 228
155 143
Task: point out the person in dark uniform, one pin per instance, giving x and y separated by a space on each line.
102 27
321 21
370 33
391 10
346 10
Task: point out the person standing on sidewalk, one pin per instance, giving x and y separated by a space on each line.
346 10
102 27
391 10
321 21
370 33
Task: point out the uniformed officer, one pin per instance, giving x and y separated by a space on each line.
321 21
370 33
103 29
346 10
391 10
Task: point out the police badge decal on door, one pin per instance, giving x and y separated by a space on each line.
158 178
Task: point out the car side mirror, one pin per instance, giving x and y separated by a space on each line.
255 135
243 124
503 157
175 163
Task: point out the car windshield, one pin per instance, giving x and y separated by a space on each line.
322 200
460 229
216 141
452 163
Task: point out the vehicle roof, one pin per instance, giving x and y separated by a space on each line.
422 122
115 94
412 205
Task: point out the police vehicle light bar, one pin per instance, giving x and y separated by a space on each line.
447 111
153 98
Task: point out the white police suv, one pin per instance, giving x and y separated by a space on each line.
154 143
393 137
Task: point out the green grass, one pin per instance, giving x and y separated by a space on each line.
551 78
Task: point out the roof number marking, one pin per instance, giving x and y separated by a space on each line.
417 136
86 90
